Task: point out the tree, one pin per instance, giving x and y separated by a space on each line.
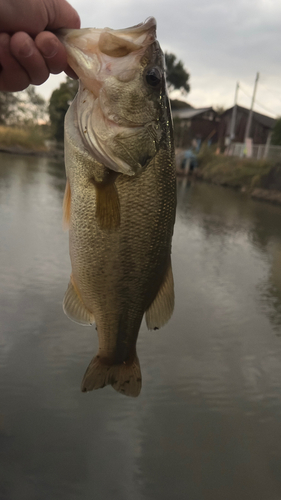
276 133
8 106
60 100
177 77
32 107
177 104
22 107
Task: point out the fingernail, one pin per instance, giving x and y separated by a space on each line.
49 48
26 49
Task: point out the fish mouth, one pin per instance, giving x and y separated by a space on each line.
140 34
95 53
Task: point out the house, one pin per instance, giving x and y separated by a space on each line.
260 130
194 124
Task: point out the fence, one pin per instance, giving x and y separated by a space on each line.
259 151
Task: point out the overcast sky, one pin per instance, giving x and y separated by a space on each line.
220 42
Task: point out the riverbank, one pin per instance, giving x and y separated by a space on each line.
261 179
30 140
19 150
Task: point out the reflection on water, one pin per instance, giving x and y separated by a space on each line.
207 423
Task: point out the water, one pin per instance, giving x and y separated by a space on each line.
207 423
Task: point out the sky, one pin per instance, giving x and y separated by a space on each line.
220 42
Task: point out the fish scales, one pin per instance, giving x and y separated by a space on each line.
121 222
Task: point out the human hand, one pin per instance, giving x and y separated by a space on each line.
28 53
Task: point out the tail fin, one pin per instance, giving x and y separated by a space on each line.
124 378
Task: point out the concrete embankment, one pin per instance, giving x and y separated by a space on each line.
261 179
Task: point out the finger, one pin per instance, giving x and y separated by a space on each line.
26 53
12 76
52 51
62 15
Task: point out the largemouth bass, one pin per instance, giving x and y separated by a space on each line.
120 196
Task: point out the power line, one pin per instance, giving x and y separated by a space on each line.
246 93
272 91
266 109
257 102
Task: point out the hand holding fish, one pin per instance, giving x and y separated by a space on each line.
29 53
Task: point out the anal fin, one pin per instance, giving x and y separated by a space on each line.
74 307
162 307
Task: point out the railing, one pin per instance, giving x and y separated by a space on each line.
259 151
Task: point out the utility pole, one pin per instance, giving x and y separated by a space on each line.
233 117
249 122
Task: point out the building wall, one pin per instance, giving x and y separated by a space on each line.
196 128
202 129
258 132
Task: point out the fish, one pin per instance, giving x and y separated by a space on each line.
120 197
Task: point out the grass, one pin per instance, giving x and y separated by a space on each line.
30 137
232 171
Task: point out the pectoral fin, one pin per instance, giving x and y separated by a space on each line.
74 308
162 307
107 206
66 207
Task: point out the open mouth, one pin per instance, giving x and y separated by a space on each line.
92 53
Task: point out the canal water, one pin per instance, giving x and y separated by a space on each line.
207 424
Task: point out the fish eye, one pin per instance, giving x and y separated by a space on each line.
153 77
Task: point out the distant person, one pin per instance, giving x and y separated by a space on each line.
28 53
